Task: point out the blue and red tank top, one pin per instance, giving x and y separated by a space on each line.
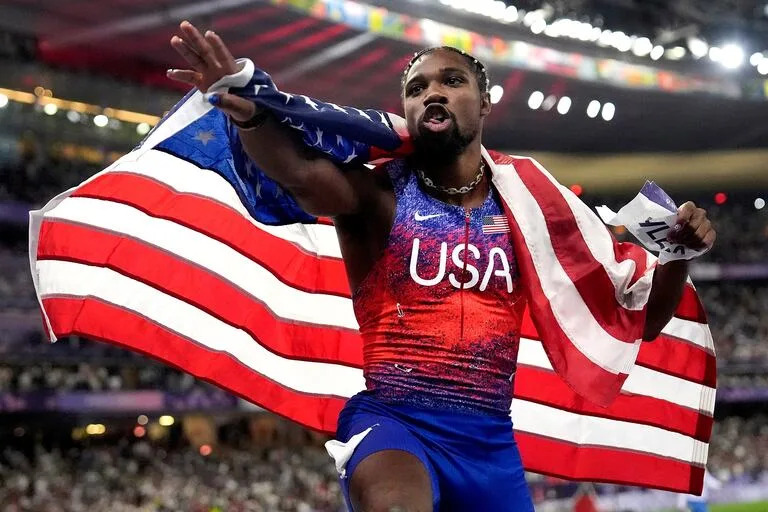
440 311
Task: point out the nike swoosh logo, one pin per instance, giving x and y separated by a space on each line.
420 218
403 368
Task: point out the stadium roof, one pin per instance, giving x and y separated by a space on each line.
334 61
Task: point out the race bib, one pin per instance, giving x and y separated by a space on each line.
650 216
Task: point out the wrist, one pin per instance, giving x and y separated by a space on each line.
259 117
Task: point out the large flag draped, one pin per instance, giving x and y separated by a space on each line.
185 251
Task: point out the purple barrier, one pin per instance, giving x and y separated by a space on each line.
117 401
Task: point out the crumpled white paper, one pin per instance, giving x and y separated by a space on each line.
650 216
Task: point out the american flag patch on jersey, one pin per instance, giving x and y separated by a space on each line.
495 224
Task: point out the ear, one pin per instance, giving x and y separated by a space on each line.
485 105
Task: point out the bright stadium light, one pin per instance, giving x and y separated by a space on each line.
756 59
497 9
762 68
732 57
101 120
676 53
3 100
564 105
609 110
536 99
50 109
593 109
496 92
539 26
606 38
699 48
715 54
759 203
642 46
142 128
657 52
511 15
73 116
549 102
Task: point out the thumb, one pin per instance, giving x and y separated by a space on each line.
237 108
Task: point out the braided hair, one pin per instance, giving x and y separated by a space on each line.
477 67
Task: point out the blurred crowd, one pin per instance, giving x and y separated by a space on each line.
138 477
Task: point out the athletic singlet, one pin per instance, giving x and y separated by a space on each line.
440 310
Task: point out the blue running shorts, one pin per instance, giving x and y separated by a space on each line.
472 459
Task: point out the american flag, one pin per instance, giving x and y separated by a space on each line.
495 224
183 250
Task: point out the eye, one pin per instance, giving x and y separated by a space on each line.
415 89
454 80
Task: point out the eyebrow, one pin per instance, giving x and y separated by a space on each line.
442 71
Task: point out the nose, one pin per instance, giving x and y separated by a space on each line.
435 95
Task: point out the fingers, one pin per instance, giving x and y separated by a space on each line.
186 76
198 43
188 53
709 239
236 107
220 50
685 212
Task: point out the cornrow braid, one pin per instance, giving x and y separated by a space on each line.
478 68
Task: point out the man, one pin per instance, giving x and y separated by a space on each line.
435 287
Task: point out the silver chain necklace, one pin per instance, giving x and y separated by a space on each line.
453 190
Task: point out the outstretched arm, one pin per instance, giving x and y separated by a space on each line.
696 232
317 183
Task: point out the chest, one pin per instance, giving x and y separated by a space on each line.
452 248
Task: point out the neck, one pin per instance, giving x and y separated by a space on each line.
457 173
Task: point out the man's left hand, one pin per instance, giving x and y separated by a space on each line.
693 229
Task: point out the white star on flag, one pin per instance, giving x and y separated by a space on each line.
205 136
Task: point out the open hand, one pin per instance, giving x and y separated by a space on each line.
693 229
210 61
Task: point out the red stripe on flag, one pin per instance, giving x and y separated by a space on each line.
290 263
690 306
545 387
106 322
587 274
601 464
586 377
202 289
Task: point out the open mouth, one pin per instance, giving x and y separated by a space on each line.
436 117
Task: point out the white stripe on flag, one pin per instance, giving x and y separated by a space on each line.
594 431
59 278
187 178
641 381
688 330
284 301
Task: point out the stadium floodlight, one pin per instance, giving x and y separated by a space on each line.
539 26
606 38
496 93
142 128
595 34
759 203
762 68
3 100
536 99
715 54
511 15
564 105
593 109
732 56
50 109
101 120
609 111
676 53
549 102
756 59
699 48
642 46
73 116
657 52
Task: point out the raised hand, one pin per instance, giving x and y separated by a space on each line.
210 60
693 229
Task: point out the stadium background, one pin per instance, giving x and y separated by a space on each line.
606 93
